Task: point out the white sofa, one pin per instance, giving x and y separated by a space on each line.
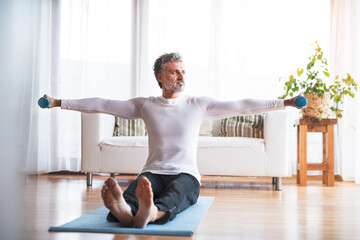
225 156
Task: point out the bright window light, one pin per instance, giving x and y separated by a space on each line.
97 30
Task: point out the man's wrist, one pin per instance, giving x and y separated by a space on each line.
58 102
289 102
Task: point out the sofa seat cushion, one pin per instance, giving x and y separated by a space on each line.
133 141
256 144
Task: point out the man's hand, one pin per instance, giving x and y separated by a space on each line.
291 102
53 101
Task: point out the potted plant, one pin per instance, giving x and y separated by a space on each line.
313 83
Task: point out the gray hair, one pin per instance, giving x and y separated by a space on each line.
159 64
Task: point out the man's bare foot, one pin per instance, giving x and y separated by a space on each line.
147 211
112 196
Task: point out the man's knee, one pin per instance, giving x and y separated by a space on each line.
186 182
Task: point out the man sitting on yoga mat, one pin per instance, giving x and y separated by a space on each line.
169 182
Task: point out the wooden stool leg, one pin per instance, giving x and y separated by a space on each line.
303 155
324 143
298 156
330 154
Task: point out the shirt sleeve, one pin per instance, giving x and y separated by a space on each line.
129 109
222 109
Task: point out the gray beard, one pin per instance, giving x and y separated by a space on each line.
175 89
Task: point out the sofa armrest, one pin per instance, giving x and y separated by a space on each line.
276 127
94 128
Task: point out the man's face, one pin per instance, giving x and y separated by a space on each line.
172 78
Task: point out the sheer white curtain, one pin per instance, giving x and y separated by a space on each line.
232 50
80 49
345 38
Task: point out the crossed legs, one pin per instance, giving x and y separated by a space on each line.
112 196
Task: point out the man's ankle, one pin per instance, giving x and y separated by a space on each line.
159 214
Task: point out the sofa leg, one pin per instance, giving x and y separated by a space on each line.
277 182
89 179
274 180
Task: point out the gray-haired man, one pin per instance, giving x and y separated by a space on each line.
169 182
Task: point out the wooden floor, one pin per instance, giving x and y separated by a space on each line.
244 208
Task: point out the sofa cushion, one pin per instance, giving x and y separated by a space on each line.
256 144
122 141
129 127
243 126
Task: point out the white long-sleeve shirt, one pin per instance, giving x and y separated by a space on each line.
172 124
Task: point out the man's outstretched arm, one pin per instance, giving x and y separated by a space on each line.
126 109
221 109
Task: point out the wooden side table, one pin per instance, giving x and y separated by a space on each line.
326 127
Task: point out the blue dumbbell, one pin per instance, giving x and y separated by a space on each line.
300 102
43 102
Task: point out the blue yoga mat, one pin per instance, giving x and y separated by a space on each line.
184 224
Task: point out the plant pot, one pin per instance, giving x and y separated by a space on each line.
317 107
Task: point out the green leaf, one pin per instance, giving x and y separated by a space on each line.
327 74
337 98
310 65
291 81
320 56
299 71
